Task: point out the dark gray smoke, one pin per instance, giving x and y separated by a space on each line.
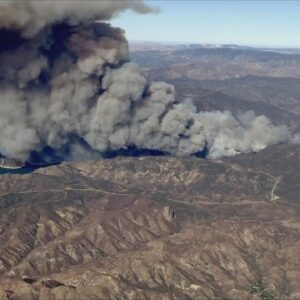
64 73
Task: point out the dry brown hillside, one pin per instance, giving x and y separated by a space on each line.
154 228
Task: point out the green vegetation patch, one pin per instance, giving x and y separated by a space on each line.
258 288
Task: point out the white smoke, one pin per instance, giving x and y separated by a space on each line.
75 80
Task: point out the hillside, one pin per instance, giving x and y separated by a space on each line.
153 227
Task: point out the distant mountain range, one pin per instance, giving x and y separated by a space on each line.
146 46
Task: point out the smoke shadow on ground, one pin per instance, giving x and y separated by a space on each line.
49 156
132 151
203 153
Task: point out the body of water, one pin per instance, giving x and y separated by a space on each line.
24 170
28 168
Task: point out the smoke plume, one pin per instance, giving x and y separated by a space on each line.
65 73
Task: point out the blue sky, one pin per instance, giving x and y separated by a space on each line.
256 23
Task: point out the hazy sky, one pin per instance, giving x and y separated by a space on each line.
264 23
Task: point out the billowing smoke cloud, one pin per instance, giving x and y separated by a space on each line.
30 17
62 74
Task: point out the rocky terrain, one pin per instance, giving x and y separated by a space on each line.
154 228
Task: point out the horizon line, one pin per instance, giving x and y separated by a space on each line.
214 44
